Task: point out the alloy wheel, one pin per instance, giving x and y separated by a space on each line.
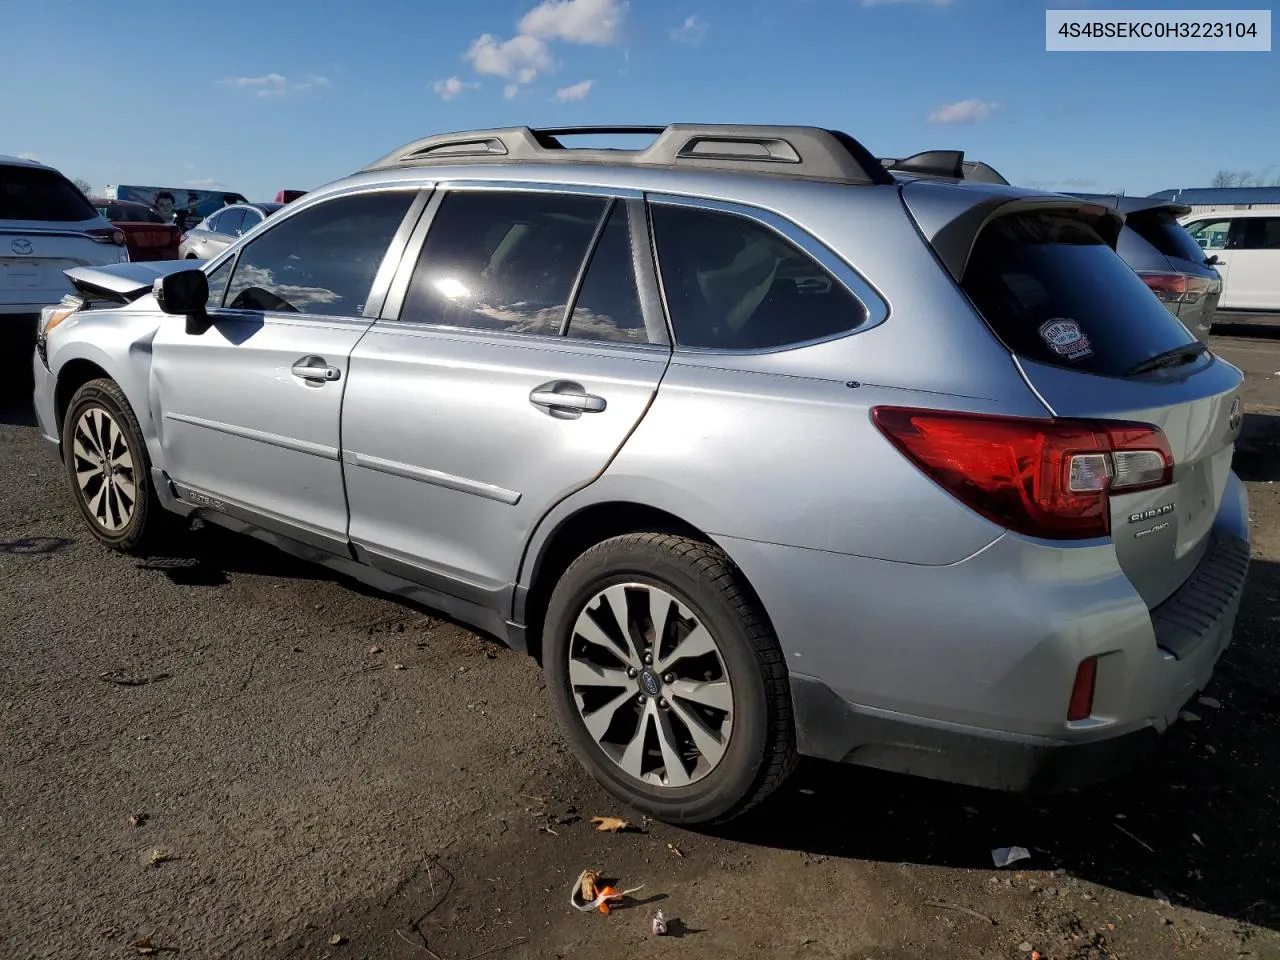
104 469
650 685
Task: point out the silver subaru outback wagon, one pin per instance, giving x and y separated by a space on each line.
762 449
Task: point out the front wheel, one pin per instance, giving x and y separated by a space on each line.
108 469
667 678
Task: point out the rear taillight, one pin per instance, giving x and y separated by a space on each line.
1080 706
107 235
1043 478
1173 287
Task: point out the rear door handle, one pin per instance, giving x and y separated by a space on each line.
315 370
566 396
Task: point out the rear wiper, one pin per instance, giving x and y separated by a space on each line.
1170 358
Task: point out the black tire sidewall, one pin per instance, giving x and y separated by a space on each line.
100 393
718 793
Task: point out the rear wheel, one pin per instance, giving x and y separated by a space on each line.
108 469
667 679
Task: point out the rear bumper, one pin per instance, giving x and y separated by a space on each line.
964 672
832 728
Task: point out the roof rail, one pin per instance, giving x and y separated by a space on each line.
802 152
949 164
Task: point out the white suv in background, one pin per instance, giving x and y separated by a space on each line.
1246 244
47 226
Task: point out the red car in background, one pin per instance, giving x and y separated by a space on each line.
288 196
146 233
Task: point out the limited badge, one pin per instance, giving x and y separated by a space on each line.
1066 339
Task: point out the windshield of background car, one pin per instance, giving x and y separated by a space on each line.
29 193
1054 292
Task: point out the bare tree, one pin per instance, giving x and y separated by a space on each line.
1225 178
83 185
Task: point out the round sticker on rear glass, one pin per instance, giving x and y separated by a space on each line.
1066 339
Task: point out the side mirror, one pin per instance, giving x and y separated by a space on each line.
1212 261
185 293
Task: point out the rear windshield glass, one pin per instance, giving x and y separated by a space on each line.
1162 231
1054 292
130 213
27 193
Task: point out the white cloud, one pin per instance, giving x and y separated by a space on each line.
519 59
527 55
454 86
28 156
963 111
693 30
275 84
576 92
597 22
203 183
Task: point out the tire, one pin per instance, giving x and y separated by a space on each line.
743 753
127 517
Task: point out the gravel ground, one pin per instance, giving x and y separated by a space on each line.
323 772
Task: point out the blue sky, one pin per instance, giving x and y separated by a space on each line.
259 96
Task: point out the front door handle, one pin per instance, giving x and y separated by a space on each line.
566 396
315 370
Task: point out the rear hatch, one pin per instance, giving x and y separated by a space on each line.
1090 338
1095 345
46 227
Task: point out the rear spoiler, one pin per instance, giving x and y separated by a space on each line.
124 282
947 164
1127 206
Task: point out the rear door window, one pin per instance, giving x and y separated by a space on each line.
734 284
1054 292
29 193
504 261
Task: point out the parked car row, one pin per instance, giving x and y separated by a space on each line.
763 447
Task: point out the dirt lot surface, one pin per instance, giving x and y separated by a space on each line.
322 772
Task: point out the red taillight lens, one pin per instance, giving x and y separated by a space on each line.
1081 704
1044 478
1169 287
107 235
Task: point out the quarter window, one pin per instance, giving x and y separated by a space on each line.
734 284
322 260
502 261
218 283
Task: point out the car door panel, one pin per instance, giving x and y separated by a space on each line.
1255 263
239 426
457 441
450 464
249 410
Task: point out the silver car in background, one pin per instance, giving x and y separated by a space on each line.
763 449
220 229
